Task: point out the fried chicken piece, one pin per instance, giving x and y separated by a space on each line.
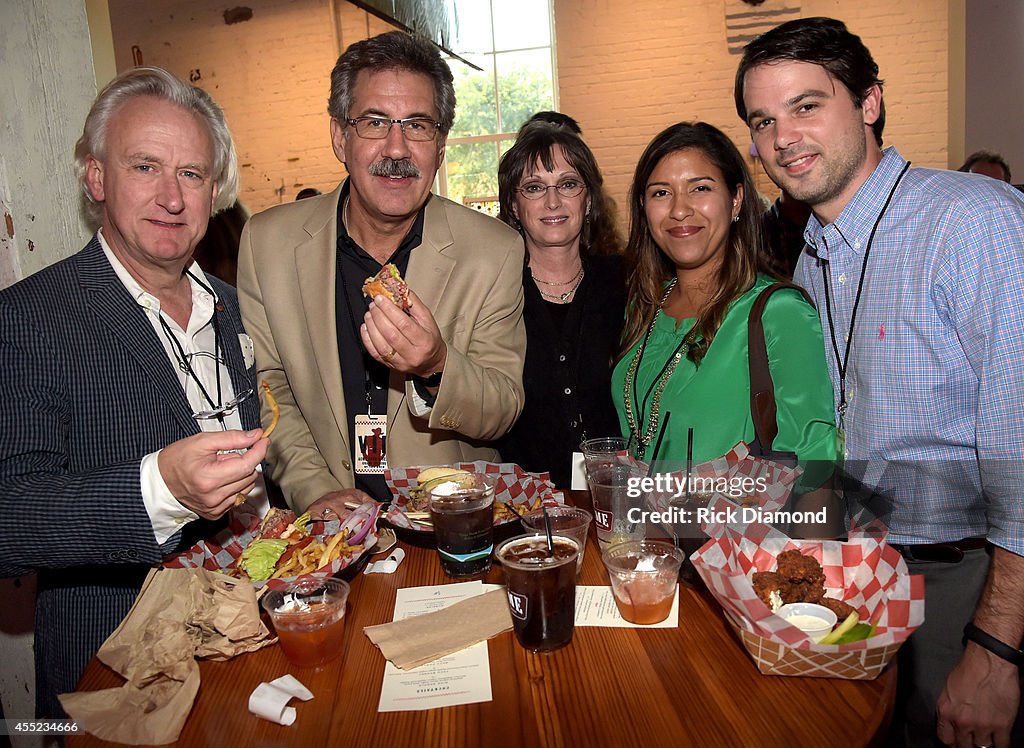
841 609
808 591
796 567
767 582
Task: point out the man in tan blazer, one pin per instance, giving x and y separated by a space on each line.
431 386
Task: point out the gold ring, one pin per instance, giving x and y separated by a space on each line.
388 356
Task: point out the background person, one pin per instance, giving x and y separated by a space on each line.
695 232
107 358
989 163
917 277
443 381
549 188
783 225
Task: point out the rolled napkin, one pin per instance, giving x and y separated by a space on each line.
416 641
270 700
388 565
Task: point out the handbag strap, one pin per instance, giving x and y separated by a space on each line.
762 389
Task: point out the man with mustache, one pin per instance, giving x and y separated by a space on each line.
433 385
917 275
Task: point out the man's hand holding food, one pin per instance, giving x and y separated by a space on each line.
407 341
205 472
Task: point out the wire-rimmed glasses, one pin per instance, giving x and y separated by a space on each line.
565 188
377 128
225 408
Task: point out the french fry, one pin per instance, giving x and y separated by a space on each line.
284 570
275 416
325 557
311 559
275 410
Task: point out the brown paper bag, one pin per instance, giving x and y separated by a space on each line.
180 614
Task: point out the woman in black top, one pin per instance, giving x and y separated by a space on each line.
550 190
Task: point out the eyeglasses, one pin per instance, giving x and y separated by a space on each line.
537 190
227 408
377 128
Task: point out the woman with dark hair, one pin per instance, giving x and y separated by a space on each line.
550 190
695 232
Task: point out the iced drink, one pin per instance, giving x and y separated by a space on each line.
463 518
604 451
309 618
541 589
570 521
610 489
644 576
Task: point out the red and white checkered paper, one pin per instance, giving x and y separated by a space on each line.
865 572
522 490
222 551
735 465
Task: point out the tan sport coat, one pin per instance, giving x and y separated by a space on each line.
468 271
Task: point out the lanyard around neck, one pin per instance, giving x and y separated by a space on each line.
184 360
842 363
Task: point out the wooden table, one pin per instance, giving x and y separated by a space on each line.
690 686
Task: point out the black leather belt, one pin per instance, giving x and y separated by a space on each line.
947 553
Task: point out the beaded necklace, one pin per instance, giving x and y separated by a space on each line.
630 394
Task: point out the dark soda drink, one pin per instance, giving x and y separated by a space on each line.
541 589
464 527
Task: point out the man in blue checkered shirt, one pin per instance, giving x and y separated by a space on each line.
917 274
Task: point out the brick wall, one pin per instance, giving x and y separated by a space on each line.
627 68
271 74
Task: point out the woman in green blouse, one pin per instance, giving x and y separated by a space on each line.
695 234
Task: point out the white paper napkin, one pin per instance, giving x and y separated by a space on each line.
270 700
388 565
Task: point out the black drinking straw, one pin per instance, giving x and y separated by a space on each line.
547 529
689 460
654 461
657 444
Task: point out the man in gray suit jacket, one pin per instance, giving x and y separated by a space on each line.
121 432
366 385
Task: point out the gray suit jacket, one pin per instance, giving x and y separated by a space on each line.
88 392
467 270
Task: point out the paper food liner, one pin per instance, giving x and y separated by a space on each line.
865 572
179 614
771 482
222 551
516 488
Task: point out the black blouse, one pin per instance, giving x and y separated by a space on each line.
567 375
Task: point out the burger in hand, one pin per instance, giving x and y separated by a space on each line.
389 284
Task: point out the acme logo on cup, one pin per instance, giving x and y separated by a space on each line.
517 605
603 519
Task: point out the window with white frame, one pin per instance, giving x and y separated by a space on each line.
510 40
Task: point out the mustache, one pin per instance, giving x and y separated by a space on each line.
397 168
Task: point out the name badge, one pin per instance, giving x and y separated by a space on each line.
371 447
